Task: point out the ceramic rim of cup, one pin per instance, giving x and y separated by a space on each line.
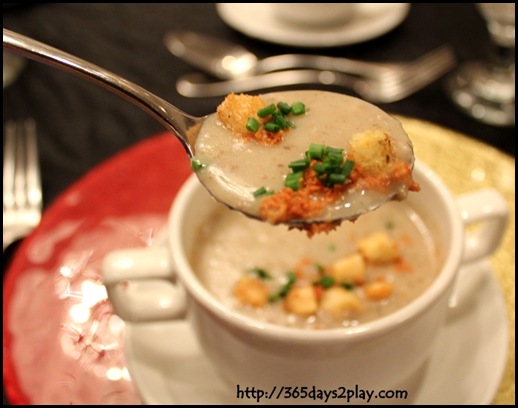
445 279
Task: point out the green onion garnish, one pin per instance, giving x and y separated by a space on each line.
282 121
321 168
316 151
261 192
298 108
299 165
196 164
329 167
334 159
336 178
271 126
293 180
283 291
284 108
347 168
267 110
252 125
326 282
278 115
261 273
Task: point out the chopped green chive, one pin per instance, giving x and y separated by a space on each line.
334 159
261 273
196 164
326 281
272 126
320 168
335 178
282 121
298 108
252 125
278 115
293 180
333 150
261 192
329 166
283 291
284 108
267 110
316 151
299 165
347 168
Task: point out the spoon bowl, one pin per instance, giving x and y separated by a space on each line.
188 129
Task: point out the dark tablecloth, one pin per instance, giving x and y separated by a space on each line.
80 124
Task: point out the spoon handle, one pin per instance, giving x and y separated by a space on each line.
170 116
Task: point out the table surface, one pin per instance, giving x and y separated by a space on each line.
80 124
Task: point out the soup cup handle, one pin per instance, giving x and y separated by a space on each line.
488 210
140 285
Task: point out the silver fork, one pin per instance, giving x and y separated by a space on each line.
22 183
384 85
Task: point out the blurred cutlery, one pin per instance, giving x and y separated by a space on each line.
22 183
226 60
387 87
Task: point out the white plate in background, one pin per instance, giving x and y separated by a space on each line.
256 20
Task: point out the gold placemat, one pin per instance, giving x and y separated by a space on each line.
466 164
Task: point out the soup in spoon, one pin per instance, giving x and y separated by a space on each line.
334 157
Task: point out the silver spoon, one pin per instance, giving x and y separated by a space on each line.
185 127
226 60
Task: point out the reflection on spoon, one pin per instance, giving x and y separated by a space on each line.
332 119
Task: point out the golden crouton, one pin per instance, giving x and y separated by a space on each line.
301 300
350 269
235 110
338 301
379 248
251 291
372 150
378 290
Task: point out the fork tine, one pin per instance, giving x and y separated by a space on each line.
439 53
22 184
422 72
34 195
19 166
25 169
429 72
9 163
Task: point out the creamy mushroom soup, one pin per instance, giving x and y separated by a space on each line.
356 273
234 171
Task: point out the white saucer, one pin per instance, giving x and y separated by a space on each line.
256 20
466 366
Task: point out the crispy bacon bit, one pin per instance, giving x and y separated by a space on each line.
234 112
305 203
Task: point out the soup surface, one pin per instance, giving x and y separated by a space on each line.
234 170
356 273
